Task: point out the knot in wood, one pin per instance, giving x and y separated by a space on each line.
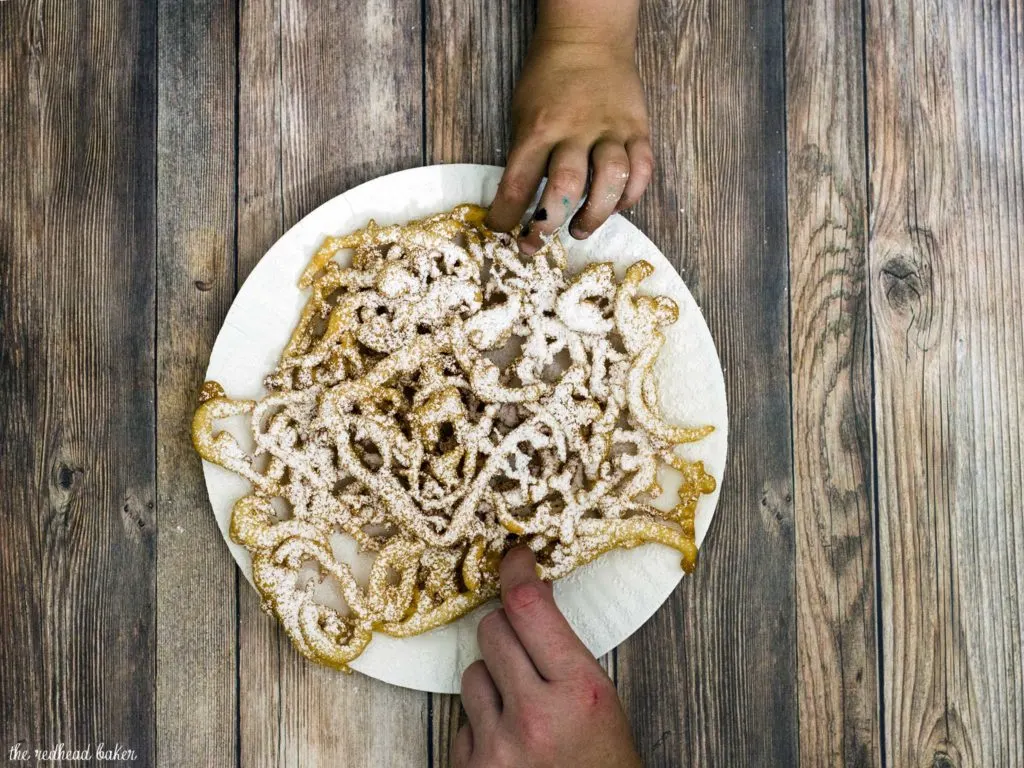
902 283
65 475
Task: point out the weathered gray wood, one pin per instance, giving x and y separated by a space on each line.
196 705
711 679
946 258
474 51
77 526
831 380
330 95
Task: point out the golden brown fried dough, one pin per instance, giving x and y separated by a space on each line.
442 399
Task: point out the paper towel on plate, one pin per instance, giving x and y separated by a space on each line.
606 600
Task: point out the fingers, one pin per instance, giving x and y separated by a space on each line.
553 647
480 697
526 166
567 179
462 749
507 661
620 174
611 172
641 169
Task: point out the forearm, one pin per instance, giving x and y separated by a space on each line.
589 22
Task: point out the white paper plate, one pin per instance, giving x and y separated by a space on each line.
605 601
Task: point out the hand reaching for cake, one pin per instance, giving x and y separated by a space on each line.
578 113
538 697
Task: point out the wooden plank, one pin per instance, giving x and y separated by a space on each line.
77 528
330 95
831 378
711 679
473 54
196 605
474 51
946 258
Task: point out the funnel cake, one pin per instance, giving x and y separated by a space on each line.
442 399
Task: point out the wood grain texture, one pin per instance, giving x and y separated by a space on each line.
831 383
473 53
330 95
77 529
196 704
946 256
125 130
711 679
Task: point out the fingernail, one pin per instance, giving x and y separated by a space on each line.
528 248
578 233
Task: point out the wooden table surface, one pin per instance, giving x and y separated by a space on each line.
840 184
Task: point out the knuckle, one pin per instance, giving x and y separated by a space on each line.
643 163
515 189
618 169
543 124
533 728
567 181
524 598
504 752
594 693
